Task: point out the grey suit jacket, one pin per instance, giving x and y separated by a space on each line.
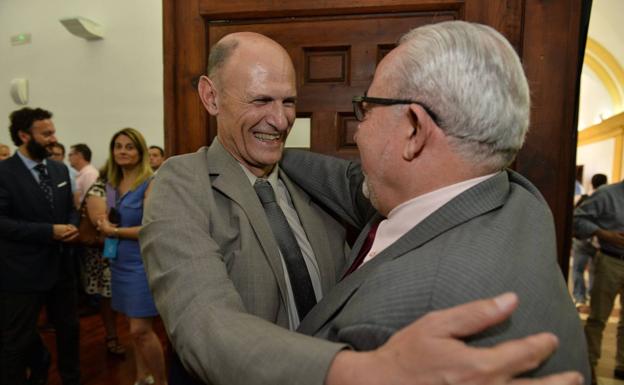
216 274
495 237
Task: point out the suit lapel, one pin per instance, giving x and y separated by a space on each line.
229 179
24 176
56 178
474 202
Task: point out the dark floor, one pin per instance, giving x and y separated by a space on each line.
100 368
97 366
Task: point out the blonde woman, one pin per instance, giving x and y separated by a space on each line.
129 176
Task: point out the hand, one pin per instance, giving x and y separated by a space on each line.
429 352
105 227
615 238
64 233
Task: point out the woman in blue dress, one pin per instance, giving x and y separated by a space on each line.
129 177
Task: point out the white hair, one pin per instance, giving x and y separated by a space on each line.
471 78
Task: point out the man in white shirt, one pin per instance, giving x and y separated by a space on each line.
80 160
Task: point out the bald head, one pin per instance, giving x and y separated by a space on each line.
242 45
251 91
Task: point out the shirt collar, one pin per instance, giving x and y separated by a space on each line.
272 177
29 163
408 214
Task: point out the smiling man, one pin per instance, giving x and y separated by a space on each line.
236 254
36 219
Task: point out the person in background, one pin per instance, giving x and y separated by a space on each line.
129 175
5 151
37 218
156 157
583 251
97 272
602 215
57 153
80 160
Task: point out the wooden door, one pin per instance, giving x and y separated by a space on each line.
335 46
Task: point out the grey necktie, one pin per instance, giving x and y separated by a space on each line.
300 280
45 182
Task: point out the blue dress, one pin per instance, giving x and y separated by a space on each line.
130 292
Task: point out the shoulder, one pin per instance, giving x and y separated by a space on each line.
606 195
184 169
190 159
612 189
92 170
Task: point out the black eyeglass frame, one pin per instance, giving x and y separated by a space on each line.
359 112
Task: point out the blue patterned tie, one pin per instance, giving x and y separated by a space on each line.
45 182
298 273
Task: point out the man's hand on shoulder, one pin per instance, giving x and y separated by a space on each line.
64 233
430 352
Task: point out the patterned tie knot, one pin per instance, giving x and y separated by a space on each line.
41 169
265 191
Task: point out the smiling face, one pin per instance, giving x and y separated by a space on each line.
255 107
125 152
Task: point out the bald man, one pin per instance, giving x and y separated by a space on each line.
229 285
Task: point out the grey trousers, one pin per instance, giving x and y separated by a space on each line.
608 282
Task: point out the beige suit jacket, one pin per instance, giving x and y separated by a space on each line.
215 271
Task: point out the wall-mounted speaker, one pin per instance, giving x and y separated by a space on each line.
19 91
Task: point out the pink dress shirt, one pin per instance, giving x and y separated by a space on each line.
410 213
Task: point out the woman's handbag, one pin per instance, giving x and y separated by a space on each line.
88 234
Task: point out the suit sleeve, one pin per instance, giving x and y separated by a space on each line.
17 229
586 216
203 314
336 183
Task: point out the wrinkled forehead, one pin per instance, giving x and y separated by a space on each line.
253 68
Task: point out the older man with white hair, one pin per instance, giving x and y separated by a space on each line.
446 113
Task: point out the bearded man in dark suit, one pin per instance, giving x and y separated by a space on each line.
37 218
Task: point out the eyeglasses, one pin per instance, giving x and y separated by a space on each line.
360 111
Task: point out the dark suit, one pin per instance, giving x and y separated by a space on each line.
34 269
495 237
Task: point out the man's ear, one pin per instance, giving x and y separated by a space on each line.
417 133
208 95
24 136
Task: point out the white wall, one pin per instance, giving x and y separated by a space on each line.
596 158
92 88
595 101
